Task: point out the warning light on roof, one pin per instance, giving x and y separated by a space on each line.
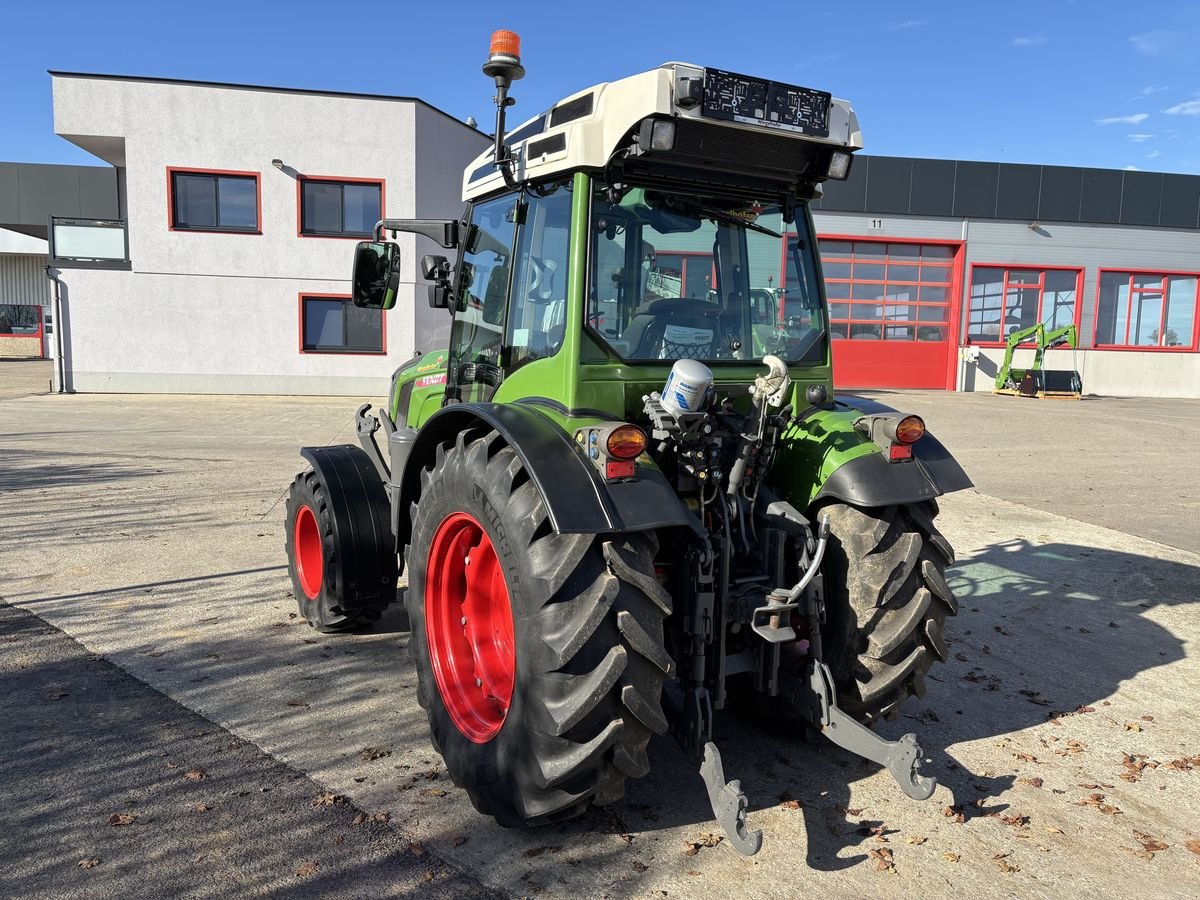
504 56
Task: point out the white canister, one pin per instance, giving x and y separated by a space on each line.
686 387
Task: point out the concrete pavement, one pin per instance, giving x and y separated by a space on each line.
150 530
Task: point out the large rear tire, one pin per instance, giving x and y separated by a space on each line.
541 669
887 602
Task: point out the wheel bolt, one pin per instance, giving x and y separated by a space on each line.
478 682
462 621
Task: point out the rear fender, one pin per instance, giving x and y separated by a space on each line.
850 467
577 499
365 573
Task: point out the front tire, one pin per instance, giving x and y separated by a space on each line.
887 602
547 704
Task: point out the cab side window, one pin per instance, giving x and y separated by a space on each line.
483 288
537 315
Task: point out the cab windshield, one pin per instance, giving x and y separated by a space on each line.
685 275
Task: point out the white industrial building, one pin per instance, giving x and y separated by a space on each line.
242 207
228 262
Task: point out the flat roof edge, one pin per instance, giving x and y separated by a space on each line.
62 73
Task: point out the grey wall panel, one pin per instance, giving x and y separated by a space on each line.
975 189
1141 198
1180 206
98 194
1062 190
1018 188
10 202
23 280
889 184
932 187
1101 200
851 194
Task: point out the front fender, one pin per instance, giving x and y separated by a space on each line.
578 500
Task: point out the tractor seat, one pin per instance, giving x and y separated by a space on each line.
674 328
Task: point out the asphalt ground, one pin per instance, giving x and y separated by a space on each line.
1062 730
113 789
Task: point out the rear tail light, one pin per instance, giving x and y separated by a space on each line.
626 442
910 429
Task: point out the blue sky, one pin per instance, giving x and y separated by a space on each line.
1065 82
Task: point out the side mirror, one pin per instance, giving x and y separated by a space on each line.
437 270
376 278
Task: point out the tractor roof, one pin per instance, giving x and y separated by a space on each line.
584 130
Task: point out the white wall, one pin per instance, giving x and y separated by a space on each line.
1108 373
220 312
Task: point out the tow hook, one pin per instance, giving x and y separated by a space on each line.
729 803
901 758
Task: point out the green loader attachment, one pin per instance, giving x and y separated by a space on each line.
1036 381
624 496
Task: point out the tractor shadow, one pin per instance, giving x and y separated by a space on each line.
1043 629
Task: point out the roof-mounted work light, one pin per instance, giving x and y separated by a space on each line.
504 65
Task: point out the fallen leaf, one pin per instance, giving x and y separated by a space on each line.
1026 757
1147 718
951 857
297 702
628 838
1016 820
359 819
1150 843
1032 782
1194 846
416 850
328 799
458 840
954 812
194 774
433 792
883 859
961 657
381 818
90 863
57 695
371 753
1035 697
1133 726
121 819
538 851
790 804
916 839
201 807
639 866
1003 864
309 868
1054 830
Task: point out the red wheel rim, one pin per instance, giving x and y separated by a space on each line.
309 552
469 627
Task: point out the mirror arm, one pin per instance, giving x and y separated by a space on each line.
442 231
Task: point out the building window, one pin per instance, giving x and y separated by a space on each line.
1005 299
1147 310
888 291
17 320
332 324
332 208
214 201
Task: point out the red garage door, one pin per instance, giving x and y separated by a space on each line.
892 311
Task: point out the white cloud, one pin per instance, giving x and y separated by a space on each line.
909 23
1152 154
1151 41
1135 119
1028 40
1186 108
1141 138
1148 90
1132 169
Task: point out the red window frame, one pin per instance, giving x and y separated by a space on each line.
190 170
41 330
953 284
688 256
335 179
316 295
1076 316
1149 348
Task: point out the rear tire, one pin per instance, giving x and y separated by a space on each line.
887 602
585 648
313 559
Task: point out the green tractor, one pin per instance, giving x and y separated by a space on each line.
624 496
